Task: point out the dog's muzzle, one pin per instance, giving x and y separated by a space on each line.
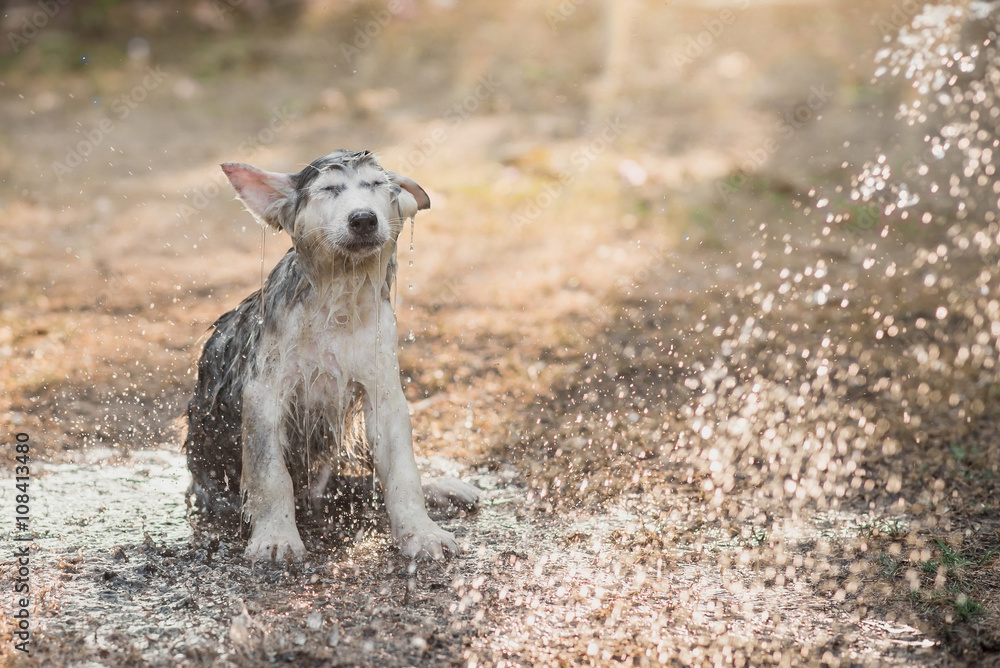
364 232
363 223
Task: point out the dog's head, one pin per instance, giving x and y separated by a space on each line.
343 204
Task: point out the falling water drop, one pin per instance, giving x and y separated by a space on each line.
410 262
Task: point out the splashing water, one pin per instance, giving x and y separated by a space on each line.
808 399
839 383
948 55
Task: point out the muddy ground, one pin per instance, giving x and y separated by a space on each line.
698 305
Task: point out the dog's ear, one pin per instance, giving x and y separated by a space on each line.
263 193
410 186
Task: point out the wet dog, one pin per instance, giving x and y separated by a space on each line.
300 383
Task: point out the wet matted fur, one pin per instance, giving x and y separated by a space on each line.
298 392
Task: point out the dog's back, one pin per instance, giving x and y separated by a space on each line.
215 412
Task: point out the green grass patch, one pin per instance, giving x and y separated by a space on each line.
889 527
967 607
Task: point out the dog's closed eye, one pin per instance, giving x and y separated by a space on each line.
335 190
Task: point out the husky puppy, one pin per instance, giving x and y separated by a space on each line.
299 384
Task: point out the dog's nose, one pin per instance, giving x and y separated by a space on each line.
363 221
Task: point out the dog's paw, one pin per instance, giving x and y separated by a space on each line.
447 493
275 546
429 541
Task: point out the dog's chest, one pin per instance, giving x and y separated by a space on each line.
320 362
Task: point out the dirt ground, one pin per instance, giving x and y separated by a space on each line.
706 304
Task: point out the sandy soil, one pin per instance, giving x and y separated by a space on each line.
720 416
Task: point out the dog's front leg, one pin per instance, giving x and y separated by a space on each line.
392 443
267 487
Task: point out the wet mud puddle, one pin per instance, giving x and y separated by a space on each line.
121 579
92 523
